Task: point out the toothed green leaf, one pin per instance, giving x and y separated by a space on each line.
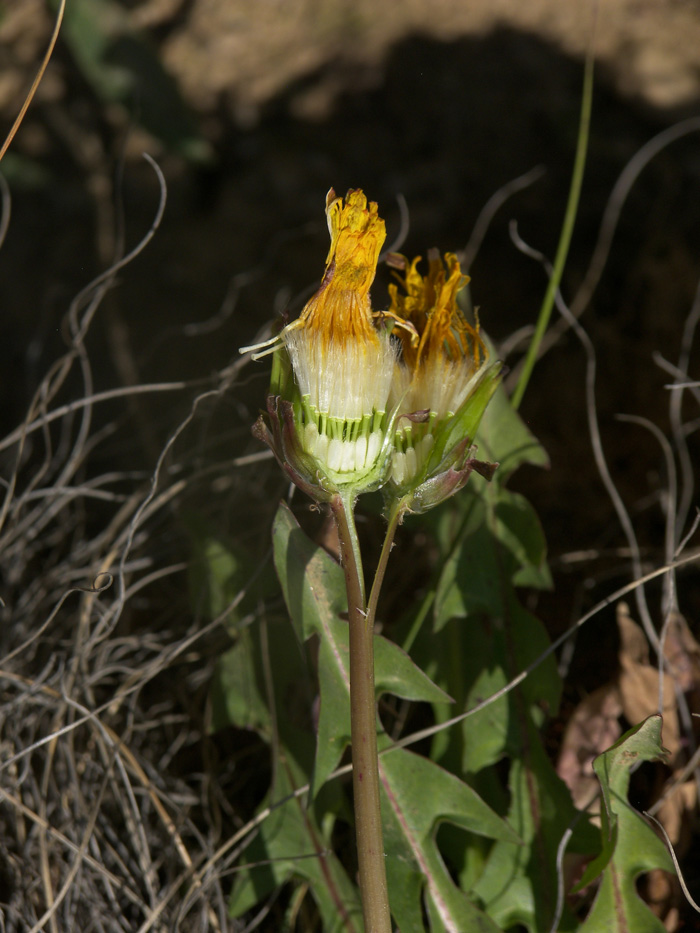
314 589
630 845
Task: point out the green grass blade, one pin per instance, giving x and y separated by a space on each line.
565 236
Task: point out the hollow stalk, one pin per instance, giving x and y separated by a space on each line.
363 728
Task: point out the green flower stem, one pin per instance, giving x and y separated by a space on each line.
363 728
398 510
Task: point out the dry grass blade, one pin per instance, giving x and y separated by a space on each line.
35 83
101 682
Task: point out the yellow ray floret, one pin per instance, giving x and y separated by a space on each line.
340 310
430 304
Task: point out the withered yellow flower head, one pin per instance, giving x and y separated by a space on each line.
441 368
342 362
430 304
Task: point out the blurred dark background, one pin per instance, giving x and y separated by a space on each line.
254 110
